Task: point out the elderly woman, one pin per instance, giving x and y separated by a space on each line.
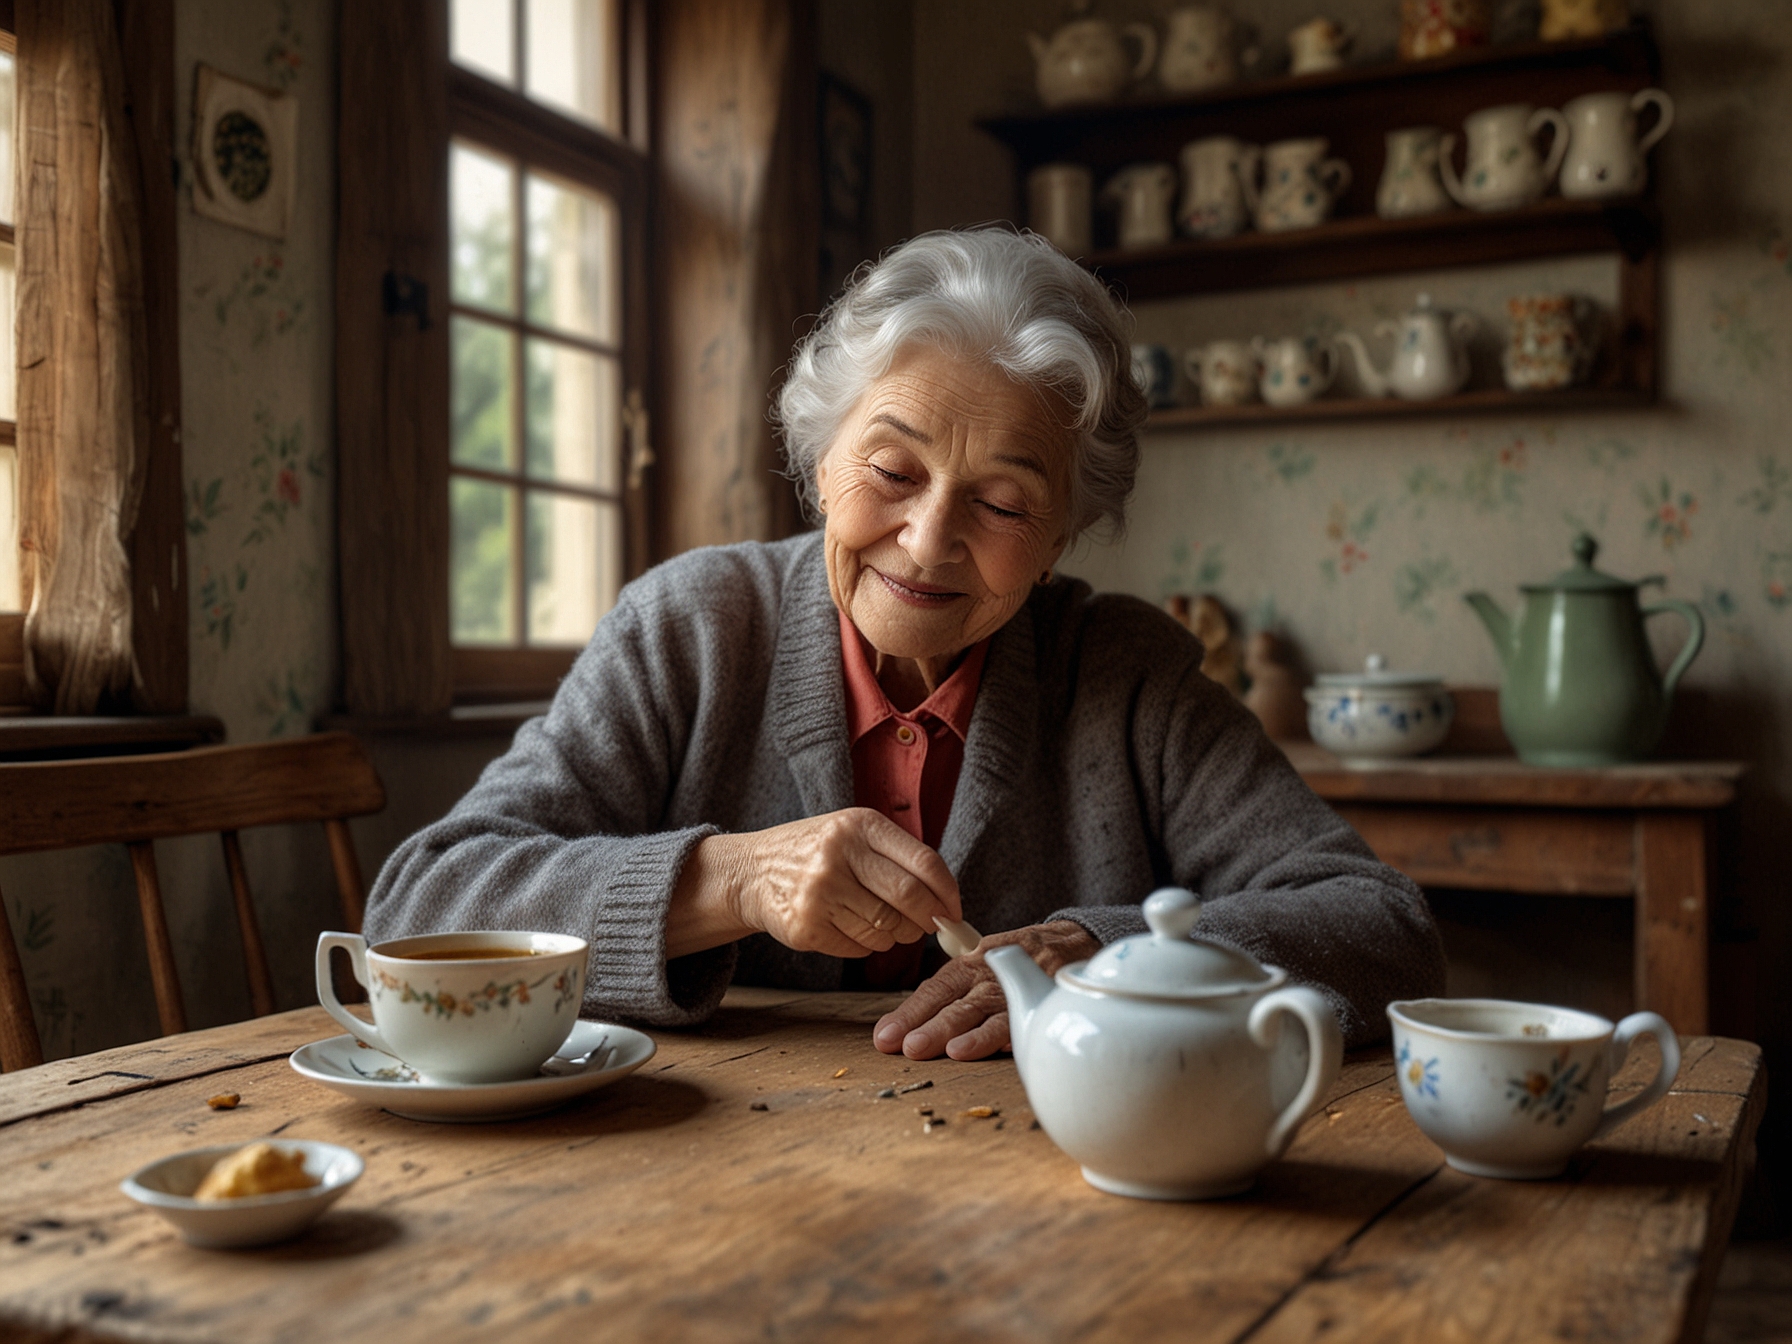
780 764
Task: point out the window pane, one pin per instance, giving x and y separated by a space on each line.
574 558
574 415
481 188
482 433
482 37
482 582
574 260
9 528
6 122
9 368
575 59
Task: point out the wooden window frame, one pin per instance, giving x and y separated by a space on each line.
502 120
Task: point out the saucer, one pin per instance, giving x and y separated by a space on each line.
345 1065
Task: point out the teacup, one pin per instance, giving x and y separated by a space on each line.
463 1007
1513 1089
1224 371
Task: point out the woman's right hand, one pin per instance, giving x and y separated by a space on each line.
846 883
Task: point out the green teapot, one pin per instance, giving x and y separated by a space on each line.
1578 684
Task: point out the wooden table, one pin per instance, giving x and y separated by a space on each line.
670 1207
1492 823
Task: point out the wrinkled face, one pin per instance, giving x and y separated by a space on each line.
946 493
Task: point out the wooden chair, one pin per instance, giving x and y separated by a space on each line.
136 800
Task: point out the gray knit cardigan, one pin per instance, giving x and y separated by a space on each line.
1100 765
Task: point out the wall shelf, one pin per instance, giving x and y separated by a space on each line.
1481 401
1355 107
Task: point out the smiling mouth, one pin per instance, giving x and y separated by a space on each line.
918 595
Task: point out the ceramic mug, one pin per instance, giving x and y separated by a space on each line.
1514 1089
1605 155
1144 194
1300 184
491 1015
1214 172
1225 371
1409 182
1154 370
1318 44
1061 206
1294 371
1552 343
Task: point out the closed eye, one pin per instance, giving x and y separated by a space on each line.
891 476
1002 513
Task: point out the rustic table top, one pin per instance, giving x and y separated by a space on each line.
1507 781
669 1207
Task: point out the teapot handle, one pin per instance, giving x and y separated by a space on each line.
1147 36
1664 107
1558 143
1695 640
1325 1054
1334 176
1446 168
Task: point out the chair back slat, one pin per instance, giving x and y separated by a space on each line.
248 927
349 888
163 973
65 804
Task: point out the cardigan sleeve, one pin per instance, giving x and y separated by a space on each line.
1280 874
563 832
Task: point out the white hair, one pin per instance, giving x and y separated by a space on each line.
1009 299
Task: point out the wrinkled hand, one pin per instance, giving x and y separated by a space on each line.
961 1012
846 883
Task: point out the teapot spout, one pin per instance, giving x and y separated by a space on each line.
1375 383
1498 624
1025 986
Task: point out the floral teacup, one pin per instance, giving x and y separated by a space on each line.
1513 1089
463 1007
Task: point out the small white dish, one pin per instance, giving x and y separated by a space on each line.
367 1075
167 1186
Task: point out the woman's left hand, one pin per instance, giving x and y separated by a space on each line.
961 1011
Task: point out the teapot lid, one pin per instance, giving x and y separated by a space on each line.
1582 577
1376 675
1167 962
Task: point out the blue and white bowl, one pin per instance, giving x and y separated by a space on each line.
1376 713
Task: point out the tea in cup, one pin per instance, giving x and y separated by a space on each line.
463 1007
1514 1089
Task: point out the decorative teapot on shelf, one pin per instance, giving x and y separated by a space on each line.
1162 1063
1578 684
1086 62
1430 353
1502 169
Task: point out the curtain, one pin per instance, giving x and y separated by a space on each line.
83 403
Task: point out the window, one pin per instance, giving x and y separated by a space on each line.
545 206
12 623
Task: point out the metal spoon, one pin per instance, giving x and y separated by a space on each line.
562 1066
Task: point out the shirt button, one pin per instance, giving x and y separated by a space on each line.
905 735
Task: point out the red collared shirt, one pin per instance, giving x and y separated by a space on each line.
906 767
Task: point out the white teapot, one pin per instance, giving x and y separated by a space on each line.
1086 61
1430 354
1503 169
1605 157
1162 1063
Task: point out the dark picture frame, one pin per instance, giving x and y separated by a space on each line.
843 130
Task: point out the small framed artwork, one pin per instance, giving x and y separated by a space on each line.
845 116
245 146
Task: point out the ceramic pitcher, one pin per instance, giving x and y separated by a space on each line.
1214 172
1409 182
1318 44
1143 193
1437 27
1503 169
1086 62
1200 49
1300 185
1294 371
1061 205
1553 341
1605 157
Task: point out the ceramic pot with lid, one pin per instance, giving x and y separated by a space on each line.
1430 353
1378 712
1085 61
1578 683
1163 1064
